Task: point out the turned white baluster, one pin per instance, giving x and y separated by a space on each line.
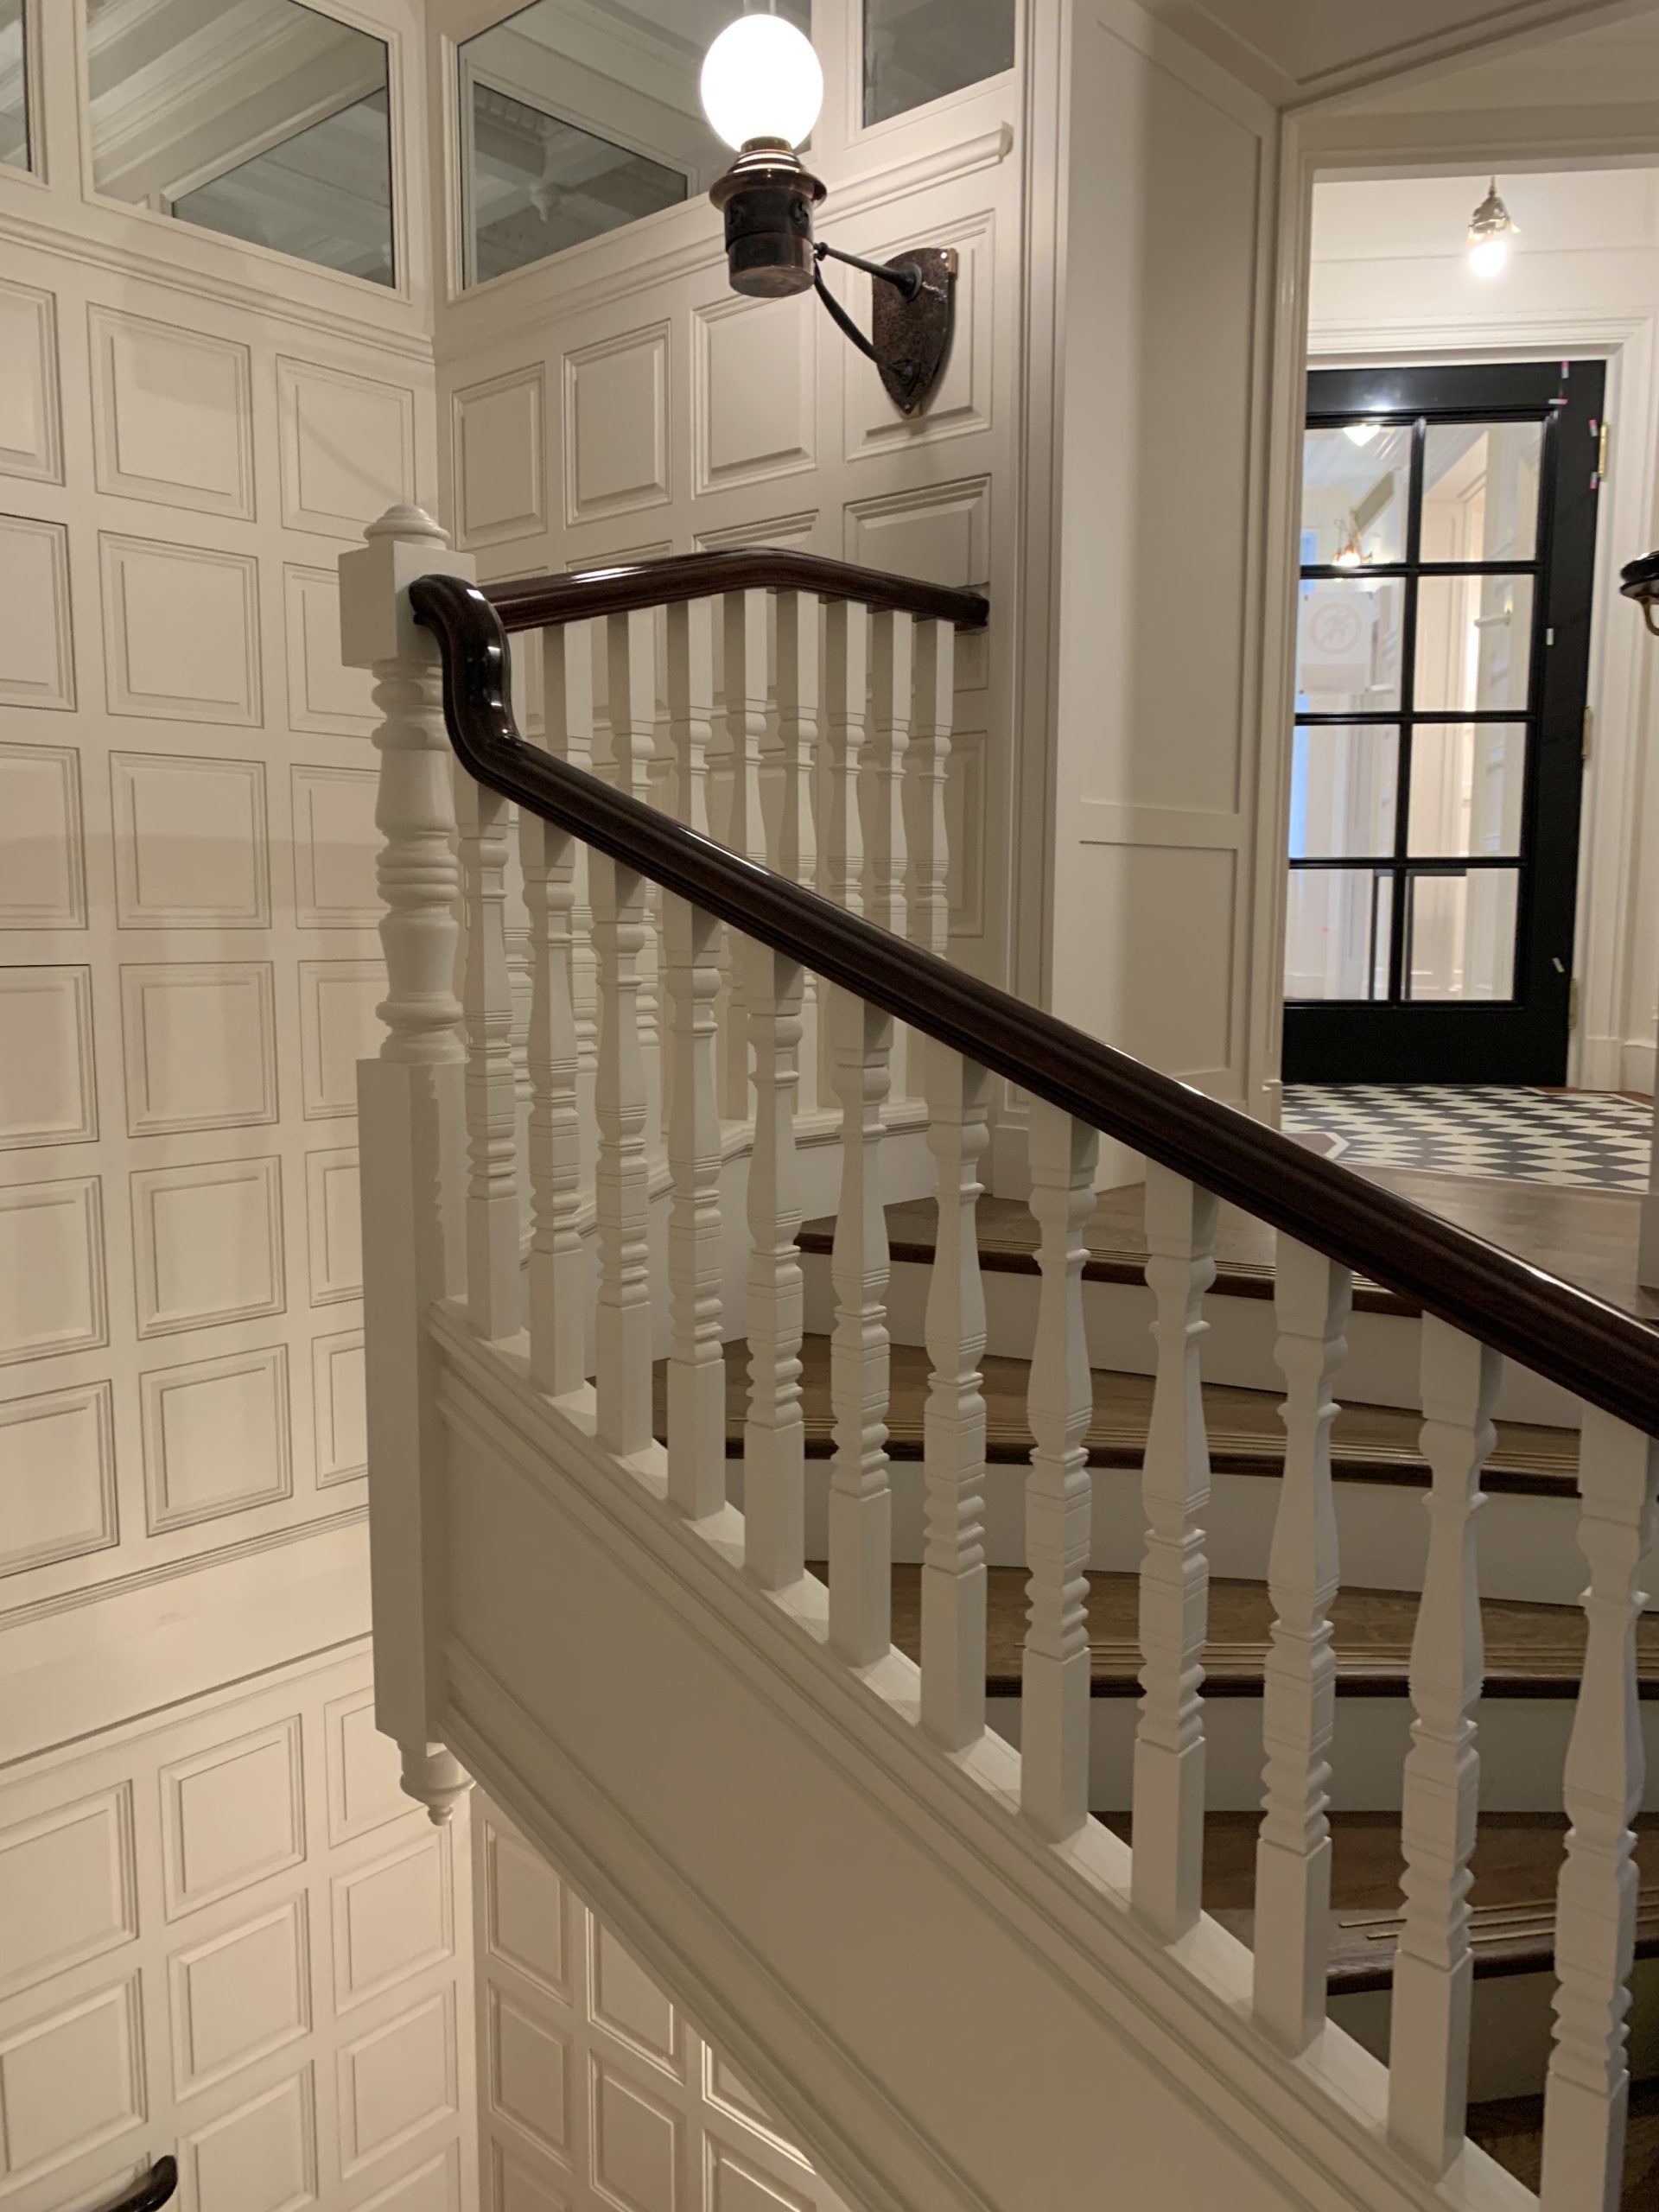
567 688
860 1498
690 709
1434 1966
773 1437
558 1289
735 806
788 780
1312 1298
1586 2094
1169 1751
697 1366
953 1562
622 1178
1054 1726
495 1301
927 888
846 699
410 1110
892 656
629 746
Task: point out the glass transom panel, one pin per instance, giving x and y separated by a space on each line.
1481 484
13 86
1356 493
918 50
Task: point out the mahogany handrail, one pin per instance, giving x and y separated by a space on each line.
1553 1327
152 2192
532 602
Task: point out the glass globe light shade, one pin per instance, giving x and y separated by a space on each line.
761 79
1488 256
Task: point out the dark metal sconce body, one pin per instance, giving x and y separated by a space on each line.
1640 581
768 198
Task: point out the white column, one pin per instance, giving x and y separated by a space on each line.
1293 1864
1054 1726
860 1498
1169 1761
1435 1965
1587 2094
954 1583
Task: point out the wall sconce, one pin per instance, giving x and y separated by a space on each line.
762 88
1640 581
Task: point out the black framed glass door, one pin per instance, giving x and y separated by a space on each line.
1447 551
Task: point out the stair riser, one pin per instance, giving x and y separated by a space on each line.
1382 1367
1523 1744
1513 2019
1527 1546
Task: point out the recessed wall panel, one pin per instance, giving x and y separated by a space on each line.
31 436
396 2080
48 1089
57 1479
70 1883
499 429
259 2157
51 1297
208 1243
216 1437
240 1995
335 1224
754 390
172 415
200 1046
617 443
42 862
348 448
392 1918
323 694
340 1409
363 1792
181 631
37 655
69 2082
338 1027
192 849
336 846
232 1815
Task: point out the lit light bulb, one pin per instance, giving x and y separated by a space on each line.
1491 229
761 79
1360 432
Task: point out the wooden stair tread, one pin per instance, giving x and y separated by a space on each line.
1512 1901
1513 2132
1373 1443
1532 1650
1115 1241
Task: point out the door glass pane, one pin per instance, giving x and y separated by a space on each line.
1474 643
1348 646
293 149
13 86
1468 780
918 50
1337 937
1480 490
1463 934
1356 487
1342 792
581 117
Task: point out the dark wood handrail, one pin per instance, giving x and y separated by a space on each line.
533 602
152 2192
1553 1327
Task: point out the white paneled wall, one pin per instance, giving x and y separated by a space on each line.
230 1937
622 401
594 2091
224 1934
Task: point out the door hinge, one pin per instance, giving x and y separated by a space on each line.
1587 745
1572 1007
1601 454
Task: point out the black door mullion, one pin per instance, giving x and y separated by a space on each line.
1399 944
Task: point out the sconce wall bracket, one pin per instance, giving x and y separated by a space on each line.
768 198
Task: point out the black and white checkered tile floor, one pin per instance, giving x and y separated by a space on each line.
1585 1139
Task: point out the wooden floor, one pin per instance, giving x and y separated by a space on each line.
1513 2134
1588 1237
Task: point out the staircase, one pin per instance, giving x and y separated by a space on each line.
958 1642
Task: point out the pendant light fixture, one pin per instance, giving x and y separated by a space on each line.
762 89
1492 231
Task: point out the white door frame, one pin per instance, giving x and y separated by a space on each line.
1325 144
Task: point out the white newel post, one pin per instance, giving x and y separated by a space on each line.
410 1113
